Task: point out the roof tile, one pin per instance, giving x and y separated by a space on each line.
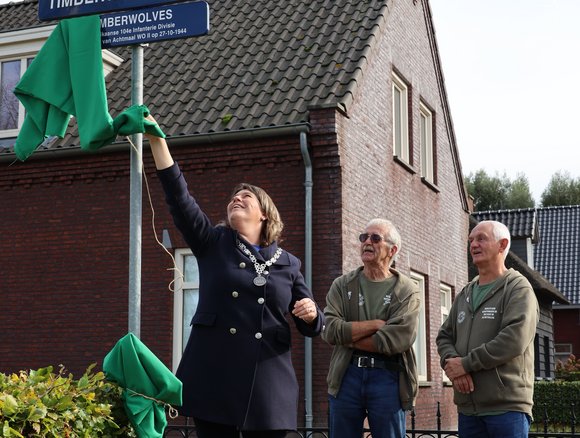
264 62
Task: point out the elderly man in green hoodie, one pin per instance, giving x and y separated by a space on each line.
372 321
486 344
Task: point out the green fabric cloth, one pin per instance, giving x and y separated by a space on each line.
134 367
66 78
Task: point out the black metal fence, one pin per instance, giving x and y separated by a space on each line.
541 428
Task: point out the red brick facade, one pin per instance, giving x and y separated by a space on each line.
64 279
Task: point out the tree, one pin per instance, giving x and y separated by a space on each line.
519 194
498 192
562 190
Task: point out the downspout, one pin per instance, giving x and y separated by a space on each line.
307 274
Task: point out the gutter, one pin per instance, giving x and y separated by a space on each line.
308 183
209 138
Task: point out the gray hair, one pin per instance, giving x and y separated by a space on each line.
390 234
500 231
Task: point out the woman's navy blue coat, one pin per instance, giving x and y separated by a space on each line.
237 368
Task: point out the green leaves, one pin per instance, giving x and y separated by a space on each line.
40 403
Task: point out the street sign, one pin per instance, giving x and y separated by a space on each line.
54 9
179 20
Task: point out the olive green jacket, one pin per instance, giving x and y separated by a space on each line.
396 337
496 345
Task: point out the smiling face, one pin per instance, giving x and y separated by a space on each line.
244 211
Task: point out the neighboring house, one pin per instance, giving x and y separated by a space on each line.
337 108
558 259
525 231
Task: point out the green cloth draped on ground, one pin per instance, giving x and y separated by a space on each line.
134 367
66 78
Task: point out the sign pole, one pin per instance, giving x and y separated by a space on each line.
136 186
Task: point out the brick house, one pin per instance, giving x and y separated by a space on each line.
337 108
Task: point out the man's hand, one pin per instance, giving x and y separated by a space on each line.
454 368
464 384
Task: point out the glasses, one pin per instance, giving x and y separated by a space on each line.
375 238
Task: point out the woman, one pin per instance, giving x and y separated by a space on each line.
236 369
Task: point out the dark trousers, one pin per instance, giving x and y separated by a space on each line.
207 429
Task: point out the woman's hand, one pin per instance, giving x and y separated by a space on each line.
159 148
306 310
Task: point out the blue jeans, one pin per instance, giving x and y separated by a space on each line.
508 425
367 392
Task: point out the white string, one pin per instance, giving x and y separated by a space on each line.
180 275
172 411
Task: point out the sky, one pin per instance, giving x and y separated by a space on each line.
512 74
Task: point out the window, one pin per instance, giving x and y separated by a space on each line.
445 296
11 110
400 120
420 344
426 139
17 50
445 293
185 299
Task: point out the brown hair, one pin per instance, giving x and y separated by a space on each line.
271 227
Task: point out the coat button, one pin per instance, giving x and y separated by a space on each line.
233 331
258 335
235 294
261 300
242 265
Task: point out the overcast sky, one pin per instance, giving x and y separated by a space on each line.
512 73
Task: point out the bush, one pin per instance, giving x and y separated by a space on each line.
570 370
556 402
41 403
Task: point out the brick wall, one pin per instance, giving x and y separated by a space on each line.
65 246
432 220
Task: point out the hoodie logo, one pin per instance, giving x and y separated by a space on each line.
361 300
488 313
387 300
461 317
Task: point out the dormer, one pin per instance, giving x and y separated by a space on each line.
17 50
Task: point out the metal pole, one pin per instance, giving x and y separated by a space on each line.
135 201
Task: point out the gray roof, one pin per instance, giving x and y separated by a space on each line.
557 255
263 64
522 223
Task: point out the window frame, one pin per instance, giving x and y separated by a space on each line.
445 306
427 147
180 285
402 145
24 44
420 344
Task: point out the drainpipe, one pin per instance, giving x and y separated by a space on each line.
307 274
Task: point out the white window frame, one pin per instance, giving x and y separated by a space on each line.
445 296
400 119
178 298
26 43
23 65
420 344
21 45
426 140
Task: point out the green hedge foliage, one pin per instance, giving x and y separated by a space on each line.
555 400
40 403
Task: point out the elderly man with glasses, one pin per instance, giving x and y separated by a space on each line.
372 320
